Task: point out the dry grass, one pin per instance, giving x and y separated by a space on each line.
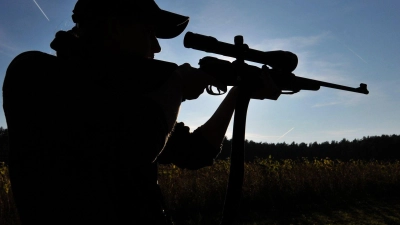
8 212
270 187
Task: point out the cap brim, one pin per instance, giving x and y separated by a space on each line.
169 25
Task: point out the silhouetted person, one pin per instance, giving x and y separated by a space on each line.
88 127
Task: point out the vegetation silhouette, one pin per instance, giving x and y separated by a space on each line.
278 191
384 147
4 145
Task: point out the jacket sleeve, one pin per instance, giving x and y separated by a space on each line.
188 150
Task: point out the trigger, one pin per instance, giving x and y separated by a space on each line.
211 92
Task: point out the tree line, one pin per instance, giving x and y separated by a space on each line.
384 147
4 145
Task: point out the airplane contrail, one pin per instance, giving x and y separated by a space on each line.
356 54
284 134
41 10
352 51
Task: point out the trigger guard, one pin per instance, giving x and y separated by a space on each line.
211 92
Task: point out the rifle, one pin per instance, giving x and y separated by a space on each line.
280 65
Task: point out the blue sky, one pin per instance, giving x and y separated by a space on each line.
343 42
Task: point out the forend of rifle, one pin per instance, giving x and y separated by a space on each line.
282 60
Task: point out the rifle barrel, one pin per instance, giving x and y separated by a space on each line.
362 89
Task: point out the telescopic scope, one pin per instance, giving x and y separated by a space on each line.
282 60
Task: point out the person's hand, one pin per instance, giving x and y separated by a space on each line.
194 81
269 89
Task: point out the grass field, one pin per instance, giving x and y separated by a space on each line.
318 191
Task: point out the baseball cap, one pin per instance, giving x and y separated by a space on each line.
166 24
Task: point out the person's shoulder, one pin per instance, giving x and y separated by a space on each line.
31 58
27 66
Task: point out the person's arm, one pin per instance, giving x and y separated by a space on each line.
200 148
215 128
186 83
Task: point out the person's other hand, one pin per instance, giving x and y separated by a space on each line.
269 89
194 81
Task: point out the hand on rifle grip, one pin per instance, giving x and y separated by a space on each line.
269 90
194 81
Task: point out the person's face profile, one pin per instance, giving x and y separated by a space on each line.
135 37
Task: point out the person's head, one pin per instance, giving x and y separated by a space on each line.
126 26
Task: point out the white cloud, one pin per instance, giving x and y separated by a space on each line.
333 72
294 44
310 65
